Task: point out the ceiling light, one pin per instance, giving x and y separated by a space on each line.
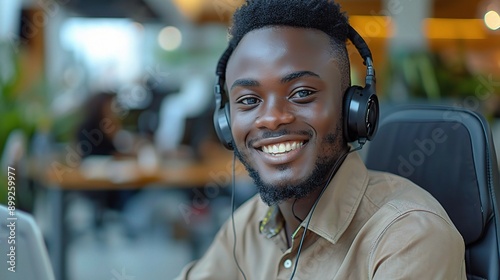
489 11
492 20
170 38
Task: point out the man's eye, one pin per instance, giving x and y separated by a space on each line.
249 101
303 93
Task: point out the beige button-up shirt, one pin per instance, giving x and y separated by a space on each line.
367 225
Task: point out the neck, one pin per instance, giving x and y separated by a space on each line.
292 209
301 209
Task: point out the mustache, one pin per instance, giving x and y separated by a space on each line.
277 133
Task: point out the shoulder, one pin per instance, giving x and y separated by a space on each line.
400 195
417 245
400 206
406 220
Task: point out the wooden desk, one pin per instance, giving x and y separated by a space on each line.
110 174
106 173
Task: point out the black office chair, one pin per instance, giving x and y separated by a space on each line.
449 152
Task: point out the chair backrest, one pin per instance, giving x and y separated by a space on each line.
449 152
24 255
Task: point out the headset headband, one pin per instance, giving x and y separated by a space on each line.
352 35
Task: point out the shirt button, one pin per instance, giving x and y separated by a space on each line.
288 264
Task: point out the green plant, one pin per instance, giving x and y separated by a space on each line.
21 107
425 75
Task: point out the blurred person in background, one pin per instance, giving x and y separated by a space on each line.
100 125
99 129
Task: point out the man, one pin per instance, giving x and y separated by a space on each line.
286 80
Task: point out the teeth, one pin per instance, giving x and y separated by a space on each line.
275 149
282 147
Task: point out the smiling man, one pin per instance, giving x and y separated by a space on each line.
320 214
287 106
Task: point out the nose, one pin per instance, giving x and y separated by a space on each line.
273 114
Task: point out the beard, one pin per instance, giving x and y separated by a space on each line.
273 194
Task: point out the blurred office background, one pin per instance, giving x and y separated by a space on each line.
106 114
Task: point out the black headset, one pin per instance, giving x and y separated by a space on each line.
360 111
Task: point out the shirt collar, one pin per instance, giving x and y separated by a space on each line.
272 223
341 200
337 206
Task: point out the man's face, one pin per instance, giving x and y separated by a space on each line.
286 101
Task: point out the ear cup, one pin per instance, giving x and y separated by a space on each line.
222 123
361 113
223 127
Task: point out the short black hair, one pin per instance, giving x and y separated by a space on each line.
322 15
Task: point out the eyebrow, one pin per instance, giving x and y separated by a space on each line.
299 74
286 79
245 83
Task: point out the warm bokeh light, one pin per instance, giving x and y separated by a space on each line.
433 28
190 8
492 20
170 38
447 28
373 26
